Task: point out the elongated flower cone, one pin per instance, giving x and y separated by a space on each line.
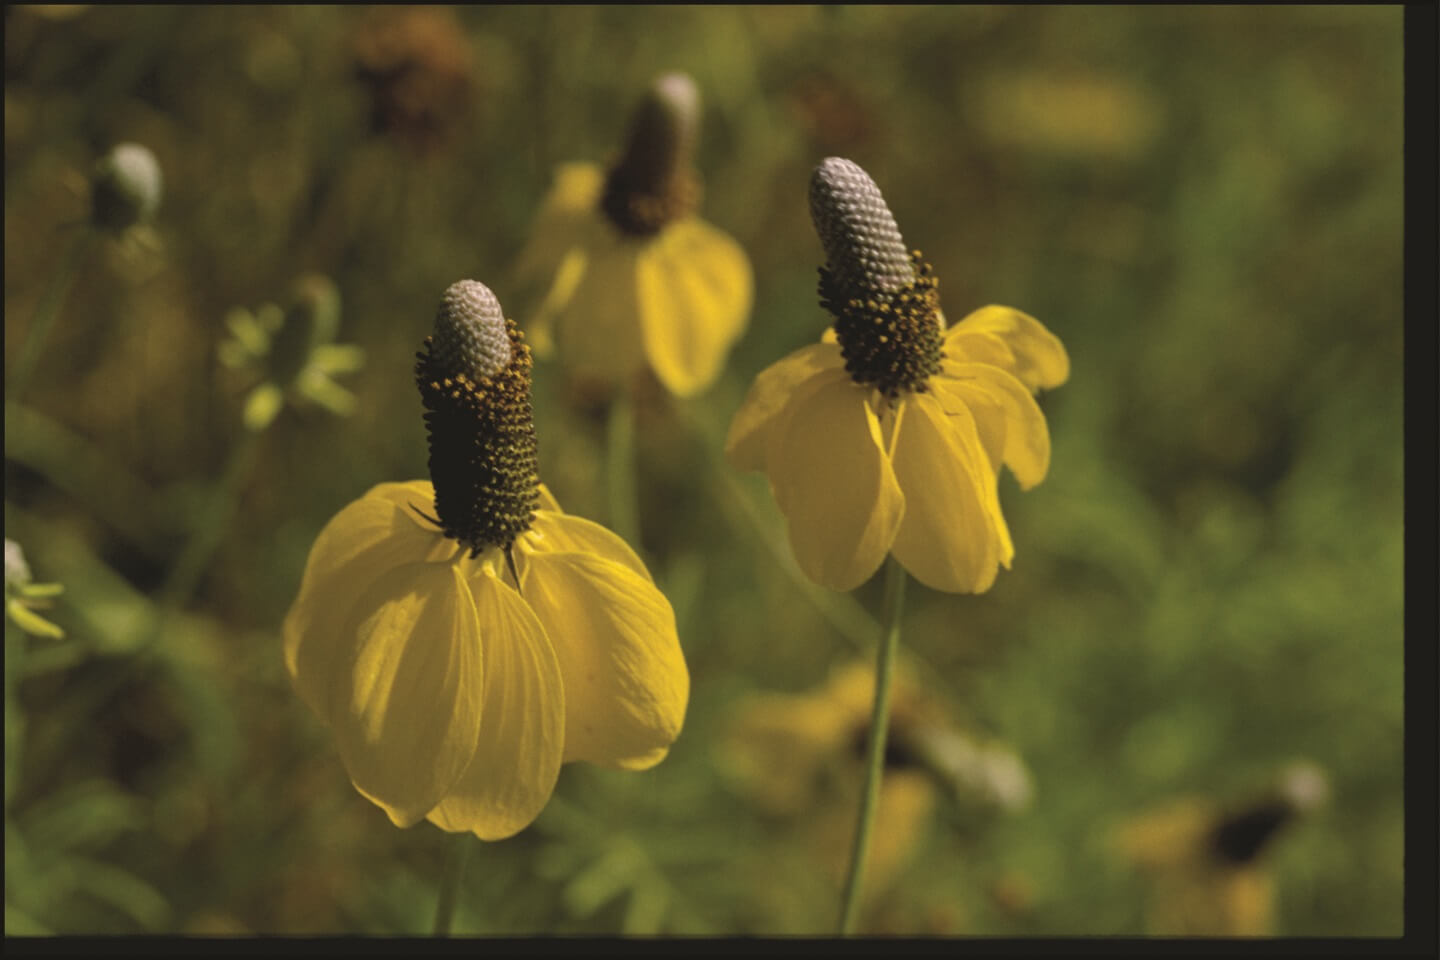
888 435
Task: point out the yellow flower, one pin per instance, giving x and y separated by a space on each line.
802 755
888 435
461 659
627 276
23 596
1206 869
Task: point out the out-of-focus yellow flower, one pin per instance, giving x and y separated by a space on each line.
803 755
23 596
461 658
888 435
626 274
1205 867
295 350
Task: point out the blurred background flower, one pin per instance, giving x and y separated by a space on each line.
625 274
1208 868
1211 575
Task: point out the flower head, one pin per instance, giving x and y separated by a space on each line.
626 274
803 755
295 349
126 188
464 638
23 596
417 65
888 435
1207 866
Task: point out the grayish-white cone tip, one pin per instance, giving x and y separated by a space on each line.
863 246
127 186
470 336
679 95
17 571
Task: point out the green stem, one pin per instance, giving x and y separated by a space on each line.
875 750
184 577
46 312
15 643
450 884
620 469
212 525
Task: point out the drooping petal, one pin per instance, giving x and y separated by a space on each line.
522 729
405 698
695 289
598 330
1030 351
1025 437
547 499
552 532
746 442
948 539
573 197
554 259
365 541
833 481
626 683
777 745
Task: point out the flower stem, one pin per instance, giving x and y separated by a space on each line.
46 312
620 468
875 750
450 883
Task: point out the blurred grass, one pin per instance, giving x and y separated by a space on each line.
1203 203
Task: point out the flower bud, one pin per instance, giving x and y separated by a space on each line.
126 188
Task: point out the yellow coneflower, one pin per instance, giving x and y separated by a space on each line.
463 638
801 755
1206 867
627 274
888 435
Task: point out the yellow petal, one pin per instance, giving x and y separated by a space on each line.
547 499
262 406
948 539
366 540
777 745
551 264
626 684
552 532
1031 352
695 288
1025 437
598 331
833 481
405 697
574 196
746 442
517 758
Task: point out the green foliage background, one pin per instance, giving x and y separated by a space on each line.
1205 205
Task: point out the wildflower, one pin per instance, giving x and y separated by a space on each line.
417 66
296 351
1206 868
627 274
888 435
126 189
802 755
462 656
23 597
